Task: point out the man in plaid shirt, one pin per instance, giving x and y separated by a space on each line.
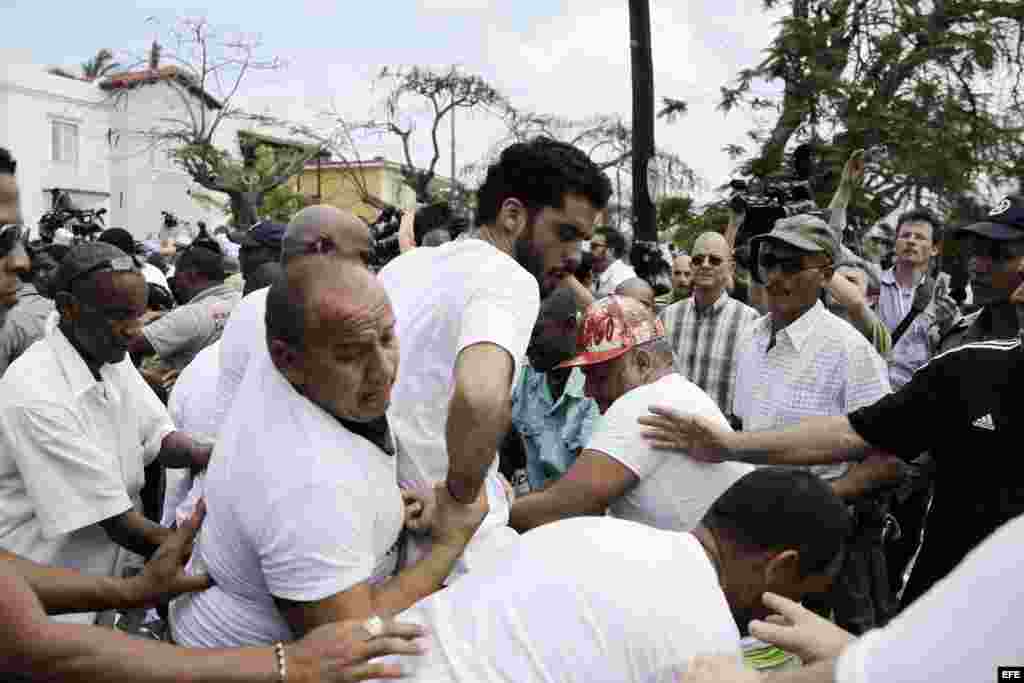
704 330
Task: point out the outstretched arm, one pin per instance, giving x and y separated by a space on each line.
813 441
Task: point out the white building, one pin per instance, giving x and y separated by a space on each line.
74 136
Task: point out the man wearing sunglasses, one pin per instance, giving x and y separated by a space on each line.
801 360
13 255
705 329
995 251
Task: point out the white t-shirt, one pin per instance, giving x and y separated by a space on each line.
193 406
446 299
244 336
614 275
298 507
72 454
590 599
674 490
963 628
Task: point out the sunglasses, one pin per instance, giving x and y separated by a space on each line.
698 260
995 249
789 266
11 235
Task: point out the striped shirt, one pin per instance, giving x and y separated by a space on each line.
706 343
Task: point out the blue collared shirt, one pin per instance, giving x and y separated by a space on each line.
914 348
553 431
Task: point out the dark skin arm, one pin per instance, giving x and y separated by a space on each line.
133 532
179 450
593 482
63 590
32 644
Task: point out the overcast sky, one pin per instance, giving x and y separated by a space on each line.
568 57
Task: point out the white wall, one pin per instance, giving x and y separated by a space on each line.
117 168
30 102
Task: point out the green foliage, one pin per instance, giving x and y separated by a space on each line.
280 204
941 83
679 221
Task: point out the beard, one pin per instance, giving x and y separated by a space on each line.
526 255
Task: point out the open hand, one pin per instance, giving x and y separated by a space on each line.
800 631
164 577
854 169
342 652
701 438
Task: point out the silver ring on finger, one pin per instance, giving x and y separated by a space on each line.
374 626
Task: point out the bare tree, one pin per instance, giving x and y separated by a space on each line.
206 69
442 93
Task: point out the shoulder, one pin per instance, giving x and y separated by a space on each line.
996 350
35 376
748 313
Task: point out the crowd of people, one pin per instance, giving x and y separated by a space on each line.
502 456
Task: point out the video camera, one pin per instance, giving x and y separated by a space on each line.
384 233
765 203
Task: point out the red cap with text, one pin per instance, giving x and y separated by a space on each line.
612 326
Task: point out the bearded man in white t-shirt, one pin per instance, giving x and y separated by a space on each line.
629 364
604 600
465 313
304 514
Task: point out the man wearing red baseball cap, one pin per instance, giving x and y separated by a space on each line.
629 365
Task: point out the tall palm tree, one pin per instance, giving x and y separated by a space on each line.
100 65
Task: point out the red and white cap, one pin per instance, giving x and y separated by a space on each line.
611 327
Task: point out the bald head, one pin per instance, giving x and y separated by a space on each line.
296 299
711 242
331 334
326 230
712 267
638 289
682 277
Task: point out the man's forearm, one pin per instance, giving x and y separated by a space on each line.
474 431
416 582
85 653
552 504
179 450
63 590
132 531
812 441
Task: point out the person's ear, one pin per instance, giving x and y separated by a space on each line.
513 218
289 361
67 305
783 569
936 249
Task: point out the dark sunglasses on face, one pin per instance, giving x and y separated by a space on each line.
995 249
11 235
713 260
793 265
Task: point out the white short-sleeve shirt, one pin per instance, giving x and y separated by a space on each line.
244 336
674 490
72 454
298 508
592 599
193 407
819 366
446 299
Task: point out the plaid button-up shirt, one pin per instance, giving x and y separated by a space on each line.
707 343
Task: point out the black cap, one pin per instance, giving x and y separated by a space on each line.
1005 222
88 258
262 234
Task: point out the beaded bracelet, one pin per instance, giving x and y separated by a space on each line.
282 665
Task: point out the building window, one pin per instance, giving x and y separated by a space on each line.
65 142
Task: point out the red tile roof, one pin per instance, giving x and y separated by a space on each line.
132 79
